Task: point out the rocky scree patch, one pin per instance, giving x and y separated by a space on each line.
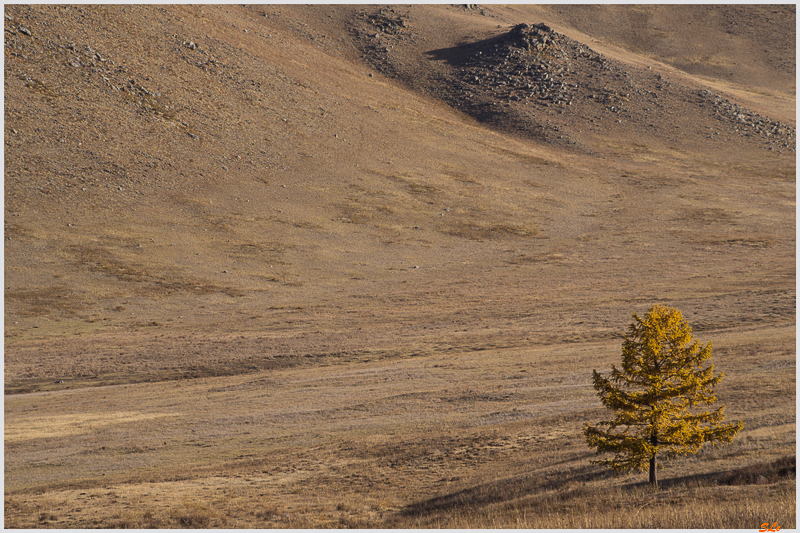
534 81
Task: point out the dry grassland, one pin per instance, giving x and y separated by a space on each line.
488 438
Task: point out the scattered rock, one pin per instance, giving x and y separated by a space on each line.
388 21
747 123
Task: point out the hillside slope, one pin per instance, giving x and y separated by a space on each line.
284 180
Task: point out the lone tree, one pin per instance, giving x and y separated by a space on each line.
657 396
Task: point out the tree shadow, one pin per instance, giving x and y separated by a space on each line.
755 474
510 489
503 490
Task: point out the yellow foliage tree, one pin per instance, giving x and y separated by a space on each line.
657 396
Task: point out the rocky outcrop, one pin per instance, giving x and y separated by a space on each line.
534 81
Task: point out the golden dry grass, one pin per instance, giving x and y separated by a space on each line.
488 438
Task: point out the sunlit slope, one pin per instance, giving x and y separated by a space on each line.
227 169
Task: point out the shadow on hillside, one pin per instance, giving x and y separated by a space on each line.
759 473
464 54
521 39
510 489
504 490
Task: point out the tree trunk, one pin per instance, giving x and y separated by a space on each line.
653 475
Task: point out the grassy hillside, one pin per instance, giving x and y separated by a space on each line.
305 266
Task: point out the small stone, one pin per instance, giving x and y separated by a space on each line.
25 31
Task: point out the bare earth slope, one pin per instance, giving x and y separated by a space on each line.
238 194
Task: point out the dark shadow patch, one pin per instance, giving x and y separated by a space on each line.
756 474
504 490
